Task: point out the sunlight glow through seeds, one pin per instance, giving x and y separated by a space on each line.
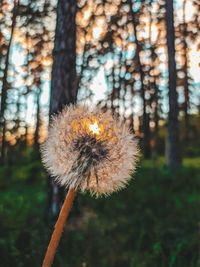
94 128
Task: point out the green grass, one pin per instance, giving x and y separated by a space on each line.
153 222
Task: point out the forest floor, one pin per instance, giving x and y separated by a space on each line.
154 222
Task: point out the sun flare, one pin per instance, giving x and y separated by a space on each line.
94 128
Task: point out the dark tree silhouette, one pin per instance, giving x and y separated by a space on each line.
186 75
5 83
145 117
173 154
63 83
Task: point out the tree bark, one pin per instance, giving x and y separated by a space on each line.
64 83
38 122
5 85
145 117
186 78
173 154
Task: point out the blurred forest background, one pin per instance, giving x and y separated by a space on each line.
139 58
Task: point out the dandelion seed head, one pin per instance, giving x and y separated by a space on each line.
89 149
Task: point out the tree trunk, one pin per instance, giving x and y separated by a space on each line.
37 127
152 78
145 118
186 78
64 81
5 85
173 154
63 84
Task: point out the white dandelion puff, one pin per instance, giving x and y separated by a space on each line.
89 149
86 149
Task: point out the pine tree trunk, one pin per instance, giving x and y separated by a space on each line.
37 128
186 78
5 85
173 154
152 66
145 118
63 84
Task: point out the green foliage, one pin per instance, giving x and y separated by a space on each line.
153 222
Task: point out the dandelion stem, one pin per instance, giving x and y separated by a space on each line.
55 238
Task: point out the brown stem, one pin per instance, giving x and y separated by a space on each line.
55 238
